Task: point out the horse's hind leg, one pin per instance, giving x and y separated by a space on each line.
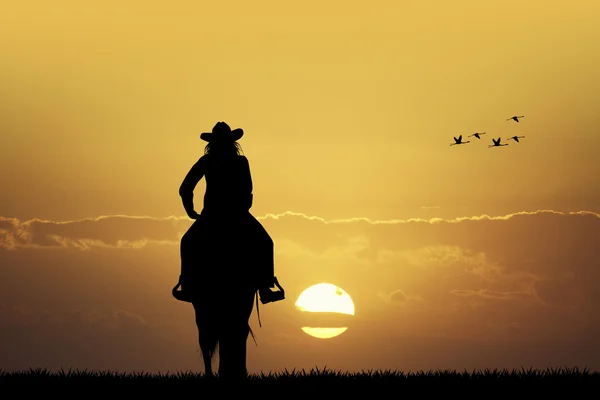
206 339
207 355
232 344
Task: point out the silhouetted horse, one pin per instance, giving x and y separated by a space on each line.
225 258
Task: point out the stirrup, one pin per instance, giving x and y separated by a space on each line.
179 293
272 297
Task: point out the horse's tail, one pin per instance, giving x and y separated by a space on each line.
210 343
209 338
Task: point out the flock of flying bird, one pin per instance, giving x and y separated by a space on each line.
458 140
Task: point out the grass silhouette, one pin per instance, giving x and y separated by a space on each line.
314 381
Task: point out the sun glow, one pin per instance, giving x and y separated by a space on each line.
325 298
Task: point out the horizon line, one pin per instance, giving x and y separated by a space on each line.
277 216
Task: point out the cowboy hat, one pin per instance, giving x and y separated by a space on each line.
222 131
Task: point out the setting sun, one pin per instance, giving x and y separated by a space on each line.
325 298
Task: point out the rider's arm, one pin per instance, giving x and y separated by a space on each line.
186 190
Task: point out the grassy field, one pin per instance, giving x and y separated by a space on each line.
314 382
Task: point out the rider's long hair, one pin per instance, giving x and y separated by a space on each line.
223 148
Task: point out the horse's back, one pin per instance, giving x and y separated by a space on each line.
230 250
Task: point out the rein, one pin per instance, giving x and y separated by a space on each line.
258 315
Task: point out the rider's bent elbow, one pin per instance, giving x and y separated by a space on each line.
183 192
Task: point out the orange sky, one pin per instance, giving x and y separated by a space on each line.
348 111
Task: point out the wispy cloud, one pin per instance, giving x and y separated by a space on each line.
127 231
493 295
422 220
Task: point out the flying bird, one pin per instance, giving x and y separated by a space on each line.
458 141
476 134
515 118
515 138
497 143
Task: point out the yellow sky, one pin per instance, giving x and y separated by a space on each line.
348 107
348 110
